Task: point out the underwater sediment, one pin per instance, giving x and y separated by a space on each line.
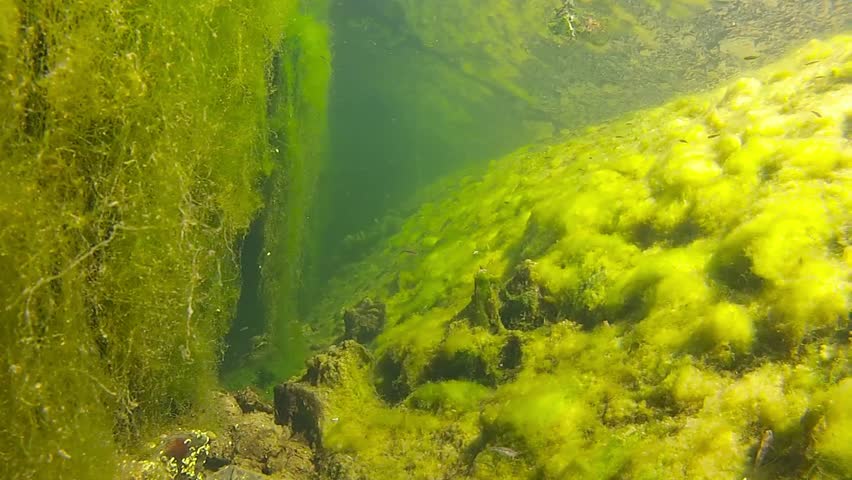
666 295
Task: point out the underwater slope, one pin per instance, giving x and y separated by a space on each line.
662 296
426 89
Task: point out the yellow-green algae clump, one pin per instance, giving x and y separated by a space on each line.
691 265
134 138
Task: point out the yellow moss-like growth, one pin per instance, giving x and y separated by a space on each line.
690 386
692 263
134 138
450 396
831 447
728 326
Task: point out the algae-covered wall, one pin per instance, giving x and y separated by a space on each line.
134 139
666 295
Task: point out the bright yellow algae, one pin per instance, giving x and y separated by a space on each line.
694 263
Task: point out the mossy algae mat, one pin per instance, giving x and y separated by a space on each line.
662 296
134 140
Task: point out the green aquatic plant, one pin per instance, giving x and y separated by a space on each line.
449 396
692 268
831 452
134 140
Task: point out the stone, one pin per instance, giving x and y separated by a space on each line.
332 367
257 440
364 321
249 401
521 305
484 307
299 407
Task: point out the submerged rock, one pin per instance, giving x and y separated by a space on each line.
299 404
299 407
341 467
364 321
475 354
522 306
249 401
395 376
484 307
257 440
254 442
511 356
333 367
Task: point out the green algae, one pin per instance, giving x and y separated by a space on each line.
134 139
695 261
297 117
449 396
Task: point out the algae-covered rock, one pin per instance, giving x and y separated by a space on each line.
467 352
452 395
484 307
512 354
833 433
364 321
257 441
337 365
299 407
249 401
253 441
341 467
394 381
302 406
522 306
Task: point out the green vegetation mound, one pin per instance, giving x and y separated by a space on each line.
663 296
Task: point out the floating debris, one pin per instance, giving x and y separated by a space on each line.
505 451
765 444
